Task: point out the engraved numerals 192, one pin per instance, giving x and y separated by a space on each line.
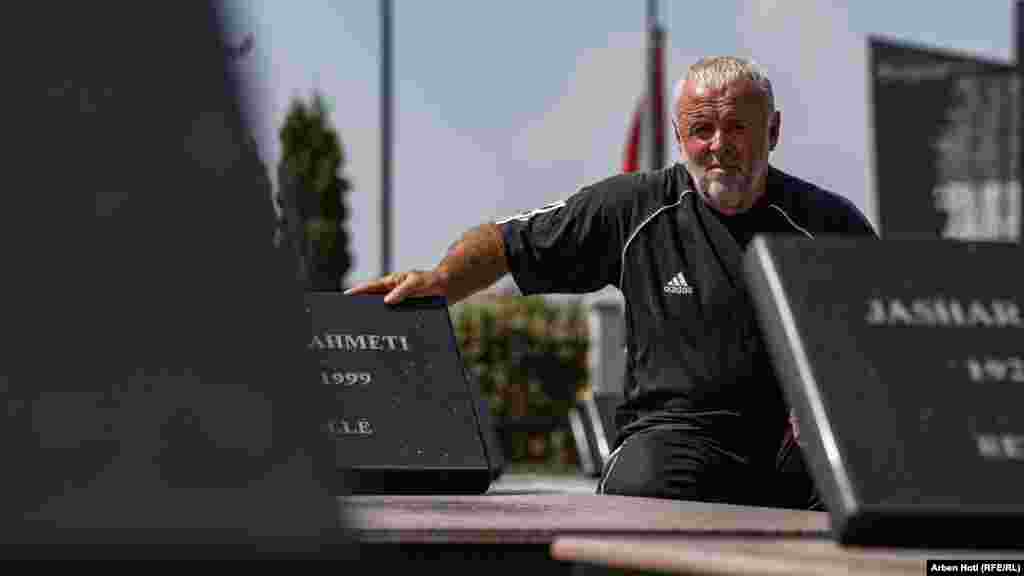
346 378
996 369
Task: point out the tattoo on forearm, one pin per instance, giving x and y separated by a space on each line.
475 261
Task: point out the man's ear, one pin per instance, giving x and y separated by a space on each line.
774 127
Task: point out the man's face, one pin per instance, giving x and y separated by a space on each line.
724 138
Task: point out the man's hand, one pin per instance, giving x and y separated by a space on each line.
794 425
402 285
473 263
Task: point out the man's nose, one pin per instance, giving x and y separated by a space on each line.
717 141
720 144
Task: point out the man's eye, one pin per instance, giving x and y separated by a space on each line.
701 130
734 127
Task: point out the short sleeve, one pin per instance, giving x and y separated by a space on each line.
569 247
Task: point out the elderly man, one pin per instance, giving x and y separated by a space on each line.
704 417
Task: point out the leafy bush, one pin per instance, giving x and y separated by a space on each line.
529 357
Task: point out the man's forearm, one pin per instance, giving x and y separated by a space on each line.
474 262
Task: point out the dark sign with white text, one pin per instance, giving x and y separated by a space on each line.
404 406
946 141
904 360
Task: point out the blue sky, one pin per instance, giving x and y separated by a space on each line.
507 106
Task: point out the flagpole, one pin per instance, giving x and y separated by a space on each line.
385 136
655 83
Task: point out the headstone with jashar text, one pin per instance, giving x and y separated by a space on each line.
904 361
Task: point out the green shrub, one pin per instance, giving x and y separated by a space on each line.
529 357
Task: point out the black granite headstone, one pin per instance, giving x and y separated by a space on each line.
904 362
592 422
405 418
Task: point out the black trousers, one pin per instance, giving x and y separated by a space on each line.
681 457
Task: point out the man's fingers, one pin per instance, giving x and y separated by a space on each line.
378 286
409 285
399 286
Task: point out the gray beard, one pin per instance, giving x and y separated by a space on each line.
744 184
734 186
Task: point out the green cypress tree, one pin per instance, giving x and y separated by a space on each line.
313 192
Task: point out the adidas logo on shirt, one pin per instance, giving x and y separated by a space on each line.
678 285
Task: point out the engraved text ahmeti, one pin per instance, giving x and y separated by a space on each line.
359 342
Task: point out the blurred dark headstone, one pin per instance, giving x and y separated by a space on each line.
592 423
946 130
152 334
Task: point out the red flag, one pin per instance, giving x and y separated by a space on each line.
637 153
645 141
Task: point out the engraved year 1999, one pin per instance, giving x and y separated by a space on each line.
345 378
990 369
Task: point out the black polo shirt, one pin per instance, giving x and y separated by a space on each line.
693 340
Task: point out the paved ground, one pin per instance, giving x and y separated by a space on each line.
529 483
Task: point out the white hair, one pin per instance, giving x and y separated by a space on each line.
720 71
